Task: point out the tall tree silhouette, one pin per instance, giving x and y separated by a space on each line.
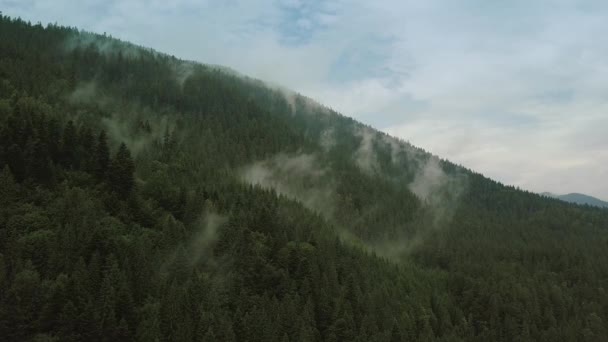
102 155
120 172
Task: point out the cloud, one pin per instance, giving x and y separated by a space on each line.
515 90
299 177
365 155
202 242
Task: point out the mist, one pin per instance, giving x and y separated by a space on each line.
327 140
104 44
300 177
123 120
365 156
201 244
439 191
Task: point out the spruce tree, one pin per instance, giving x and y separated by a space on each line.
120 172
102 155
68 146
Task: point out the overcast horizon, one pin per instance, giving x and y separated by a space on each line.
514 91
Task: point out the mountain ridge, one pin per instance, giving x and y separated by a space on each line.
579 198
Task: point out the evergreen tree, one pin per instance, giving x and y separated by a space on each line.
8 188
68 146
102 155
120 172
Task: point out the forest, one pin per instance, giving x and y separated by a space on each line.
148 198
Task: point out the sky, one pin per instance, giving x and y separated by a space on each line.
516 90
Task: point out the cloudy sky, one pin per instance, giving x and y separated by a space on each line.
517 90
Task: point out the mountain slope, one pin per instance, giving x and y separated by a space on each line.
236 211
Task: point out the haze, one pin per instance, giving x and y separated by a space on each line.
514 90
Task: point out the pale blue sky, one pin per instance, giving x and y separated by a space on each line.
516 90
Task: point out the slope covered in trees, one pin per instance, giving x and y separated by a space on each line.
147 198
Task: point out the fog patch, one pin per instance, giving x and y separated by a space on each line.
429 180
204 239
84 93
122 128
439 192
311 106
327 141
300 177
402 151
198 249
118 131
297 103
106 45
365 155
289 96
127 122
89 93
395 249
182 70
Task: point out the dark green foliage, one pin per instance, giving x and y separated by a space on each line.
164 241
101 158
120 172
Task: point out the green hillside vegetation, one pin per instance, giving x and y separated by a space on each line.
147 198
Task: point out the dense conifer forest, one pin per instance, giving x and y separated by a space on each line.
147 198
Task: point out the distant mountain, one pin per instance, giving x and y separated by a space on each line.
579 199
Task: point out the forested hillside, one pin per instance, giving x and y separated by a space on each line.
147 198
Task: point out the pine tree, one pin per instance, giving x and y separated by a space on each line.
8 187
16 162
149 323
37 161
120 173
86 144
68 146
102 155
